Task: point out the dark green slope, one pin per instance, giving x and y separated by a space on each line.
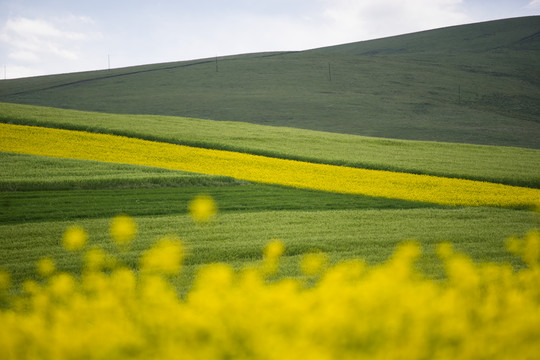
515 34
477 83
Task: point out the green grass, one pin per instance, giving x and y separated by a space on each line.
239 237
27 206
20 172
508 165
475 83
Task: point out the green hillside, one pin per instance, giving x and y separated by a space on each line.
476 83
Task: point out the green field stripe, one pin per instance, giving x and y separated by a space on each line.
239 237
25 206
21 172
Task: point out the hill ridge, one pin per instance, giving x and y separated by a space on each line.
491 25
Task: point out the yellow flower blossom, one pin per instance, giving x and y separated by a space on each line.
75 238
62 286
46 266
124 281
123 229
165 257
313 263
271 254
274 249
202 208
31 287
531 252
527 248
444 250
215 276
95 259
514 245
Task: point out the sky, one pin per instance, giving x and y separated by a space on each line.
41 37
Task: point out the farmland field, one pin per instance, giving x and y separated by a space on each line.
214 214
53 192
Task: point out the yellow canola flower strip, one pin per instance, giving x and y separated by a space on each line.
377 183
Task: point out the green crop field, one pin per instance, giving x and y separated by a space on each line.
41 196
458 102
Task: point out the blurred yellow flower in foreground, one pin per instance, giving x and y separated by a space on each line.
271 254
165 257
46 266
75 238
274 249
123 229
95 259
63 285
350 311
313 263
202 208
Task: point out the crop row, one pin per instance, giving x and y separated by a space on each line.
376 183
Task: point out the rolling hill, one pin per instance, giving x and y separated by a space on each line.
477 83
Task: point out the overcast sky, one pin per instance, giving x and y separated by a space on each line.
40 37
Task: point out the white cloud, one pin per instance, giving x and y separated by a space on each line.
53 44
38 28
534 4
24 56
32 39
379 18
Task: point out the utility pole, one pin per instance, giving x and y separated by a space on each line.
329 73
5 72
216 65
108 62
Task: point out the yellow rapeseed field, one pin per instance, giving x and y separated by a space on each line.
346 311
118 149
